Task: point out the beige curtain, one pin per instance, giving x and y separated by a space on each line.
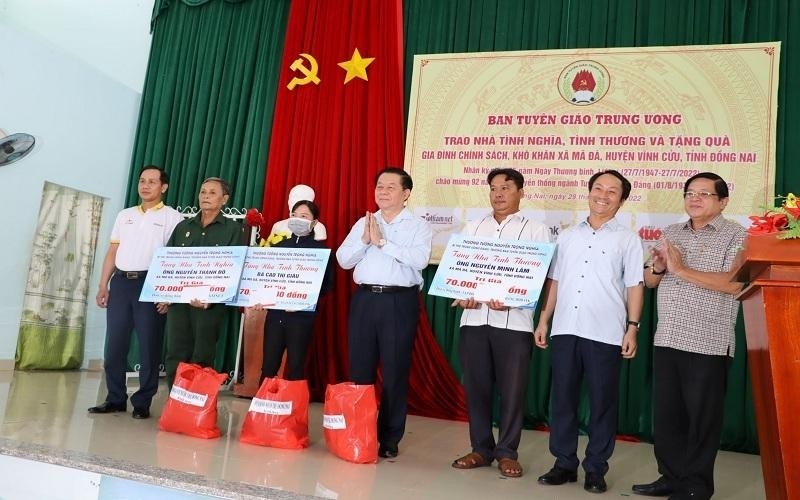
51 330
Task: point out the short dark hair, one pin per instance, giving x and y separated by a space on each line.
626 184
720 186
226 188
405 179
511 175
312 207
163 177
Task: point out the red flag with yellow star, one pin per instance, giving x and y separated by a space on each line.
339 119
339 115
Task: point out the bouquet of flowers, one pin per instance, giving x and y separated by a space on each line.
784 220
275 238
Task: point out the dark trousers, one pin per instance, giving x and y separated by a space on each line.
689 398
290 334
125 313
192 335
495 356
382 327
575 359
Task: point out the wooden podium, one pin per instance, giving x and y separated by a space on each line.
253 341
252 338
771 304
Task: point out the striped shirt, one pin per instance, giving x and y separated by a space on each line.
513 227
691 318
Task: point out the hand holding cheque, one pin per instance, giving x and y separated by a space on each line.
499 273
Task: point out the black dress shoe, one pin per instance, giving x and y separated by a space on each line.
387 450
141 413
557 476
108 408
594 483
658 488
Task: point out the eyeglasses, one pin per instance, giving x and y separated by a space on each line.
703 195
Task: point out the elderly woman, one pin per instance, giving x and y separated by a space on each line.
192 329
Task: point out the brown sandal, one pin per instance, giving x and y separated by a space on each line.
471 461
509 467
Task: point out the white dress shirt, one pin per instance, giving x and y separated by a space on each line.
401 260
594 268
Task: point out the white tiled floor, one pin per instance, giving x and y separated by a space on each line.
49 408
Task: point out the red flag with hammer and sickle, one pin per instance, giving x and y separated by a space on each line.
335 136
339 119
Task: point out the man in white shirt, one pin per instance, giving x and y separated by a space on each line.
595 289
388 250
138 232
495 342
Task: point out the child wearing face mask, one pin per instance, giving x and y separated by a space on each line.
290 331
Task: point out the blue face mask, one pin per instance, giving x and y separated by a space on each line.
299 226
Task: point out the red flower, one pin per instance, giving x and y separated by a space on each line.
254 218
769 223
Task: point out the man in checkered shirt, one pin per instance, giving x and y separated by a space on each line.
693 269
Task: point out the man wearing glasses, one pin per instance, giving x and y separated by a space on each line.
694 341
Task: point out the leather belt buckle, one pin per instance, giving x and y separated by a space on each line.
385 288
133 275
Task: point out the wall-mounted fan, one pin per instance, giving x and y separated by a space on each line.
14 146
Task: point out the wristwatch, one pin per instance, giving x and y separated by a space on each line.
634 324
381 242
657 273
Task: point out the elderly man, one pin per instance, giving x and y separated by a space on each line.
495 341
388 250
595 290
695 339
193 329
138 232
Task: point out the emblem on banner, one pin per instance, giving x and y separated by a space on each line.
309 73
584 82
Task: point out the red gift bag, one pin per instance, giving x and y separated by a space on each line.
192 405
278 415
350 422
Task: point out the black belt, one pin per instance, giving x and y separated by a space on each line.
131 275
387 288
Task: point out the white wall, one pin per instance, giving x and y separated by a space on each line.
111 36
75 85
